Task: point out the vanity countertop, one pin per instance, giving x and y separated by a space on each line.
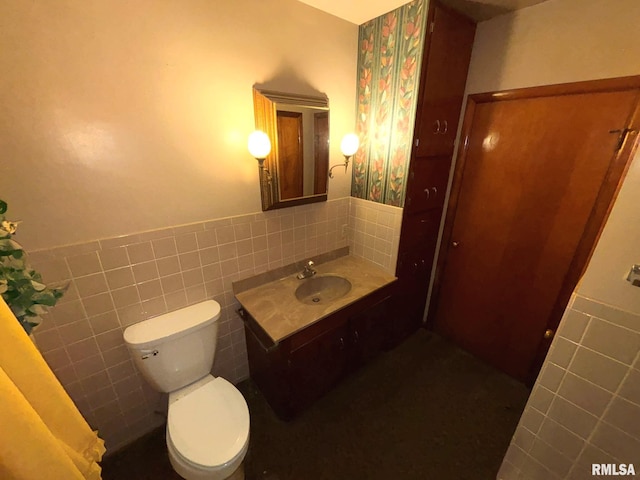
275 307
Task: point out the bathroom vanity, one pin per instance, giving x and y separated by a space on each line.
299 349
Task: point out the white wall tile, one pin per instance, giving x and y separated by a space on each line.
139 276
595 415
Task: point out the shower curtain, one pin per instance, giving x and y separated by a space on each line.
42 433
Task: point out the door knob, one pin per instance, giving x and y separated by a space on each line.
455 244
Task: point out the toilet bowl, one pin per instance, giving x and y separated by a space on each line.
208 418
207 430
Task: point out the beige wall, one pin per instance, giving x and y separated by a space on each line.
121 117
123 142
584 407
568 41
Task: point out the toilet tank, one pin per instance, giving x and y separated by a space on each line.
177 348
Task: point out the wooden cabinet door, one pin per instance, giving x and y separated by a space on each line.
418 237
427 185
369 332
317 366
413 272
442 82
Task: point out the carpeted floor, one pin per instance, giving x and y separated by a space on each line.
425 410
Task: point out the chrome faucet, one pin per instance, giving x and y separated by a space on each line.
308 270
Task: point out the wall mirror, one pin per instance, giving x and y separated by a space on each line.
295 171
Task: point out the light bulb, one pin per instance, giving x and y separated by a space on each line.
349 145
259 144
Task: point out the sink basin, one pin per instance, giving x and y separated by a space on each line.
322 290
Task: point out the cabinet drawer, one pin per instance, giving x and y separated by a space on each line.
427 186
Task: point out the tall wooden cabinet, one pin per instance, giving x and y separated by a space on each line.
443 76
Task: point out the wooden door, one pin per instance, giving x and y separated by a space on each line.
290 154
534 183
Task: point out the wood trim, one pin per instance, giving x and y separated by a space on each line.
315 101
589 86
602 207
297 201
265 120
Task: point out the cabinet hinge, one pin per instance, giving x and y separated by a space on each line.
432 26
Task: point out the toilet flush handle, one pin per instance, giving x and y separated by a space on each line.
148 353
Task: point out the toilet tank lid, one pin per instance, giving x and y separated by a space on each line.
178 323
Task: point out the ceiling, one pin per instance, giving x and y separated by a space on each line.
360 11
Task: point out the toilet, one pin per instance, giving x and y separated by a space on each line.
208 418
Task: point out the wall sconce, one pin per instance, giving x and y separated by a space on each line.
259 147
348 146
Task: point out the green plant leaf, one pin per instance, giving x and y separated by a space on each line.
21 286
37 309
38 286
44 298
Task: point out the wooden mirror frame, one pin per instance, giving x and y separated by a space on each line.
264 107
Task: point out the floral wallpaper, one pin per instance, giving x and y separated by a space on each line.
389 57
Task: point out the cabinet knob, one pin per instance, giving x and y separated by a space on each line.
436 126
455 244
355 335
445 127
341 343
548 333
427 193
435 190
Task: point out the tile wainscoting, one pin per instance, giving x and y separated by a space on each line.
116 282
585 405
374 232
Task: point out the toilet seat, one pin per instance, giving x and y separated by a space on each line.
209 426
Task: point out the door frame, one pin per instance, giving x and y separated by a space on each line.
619 164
